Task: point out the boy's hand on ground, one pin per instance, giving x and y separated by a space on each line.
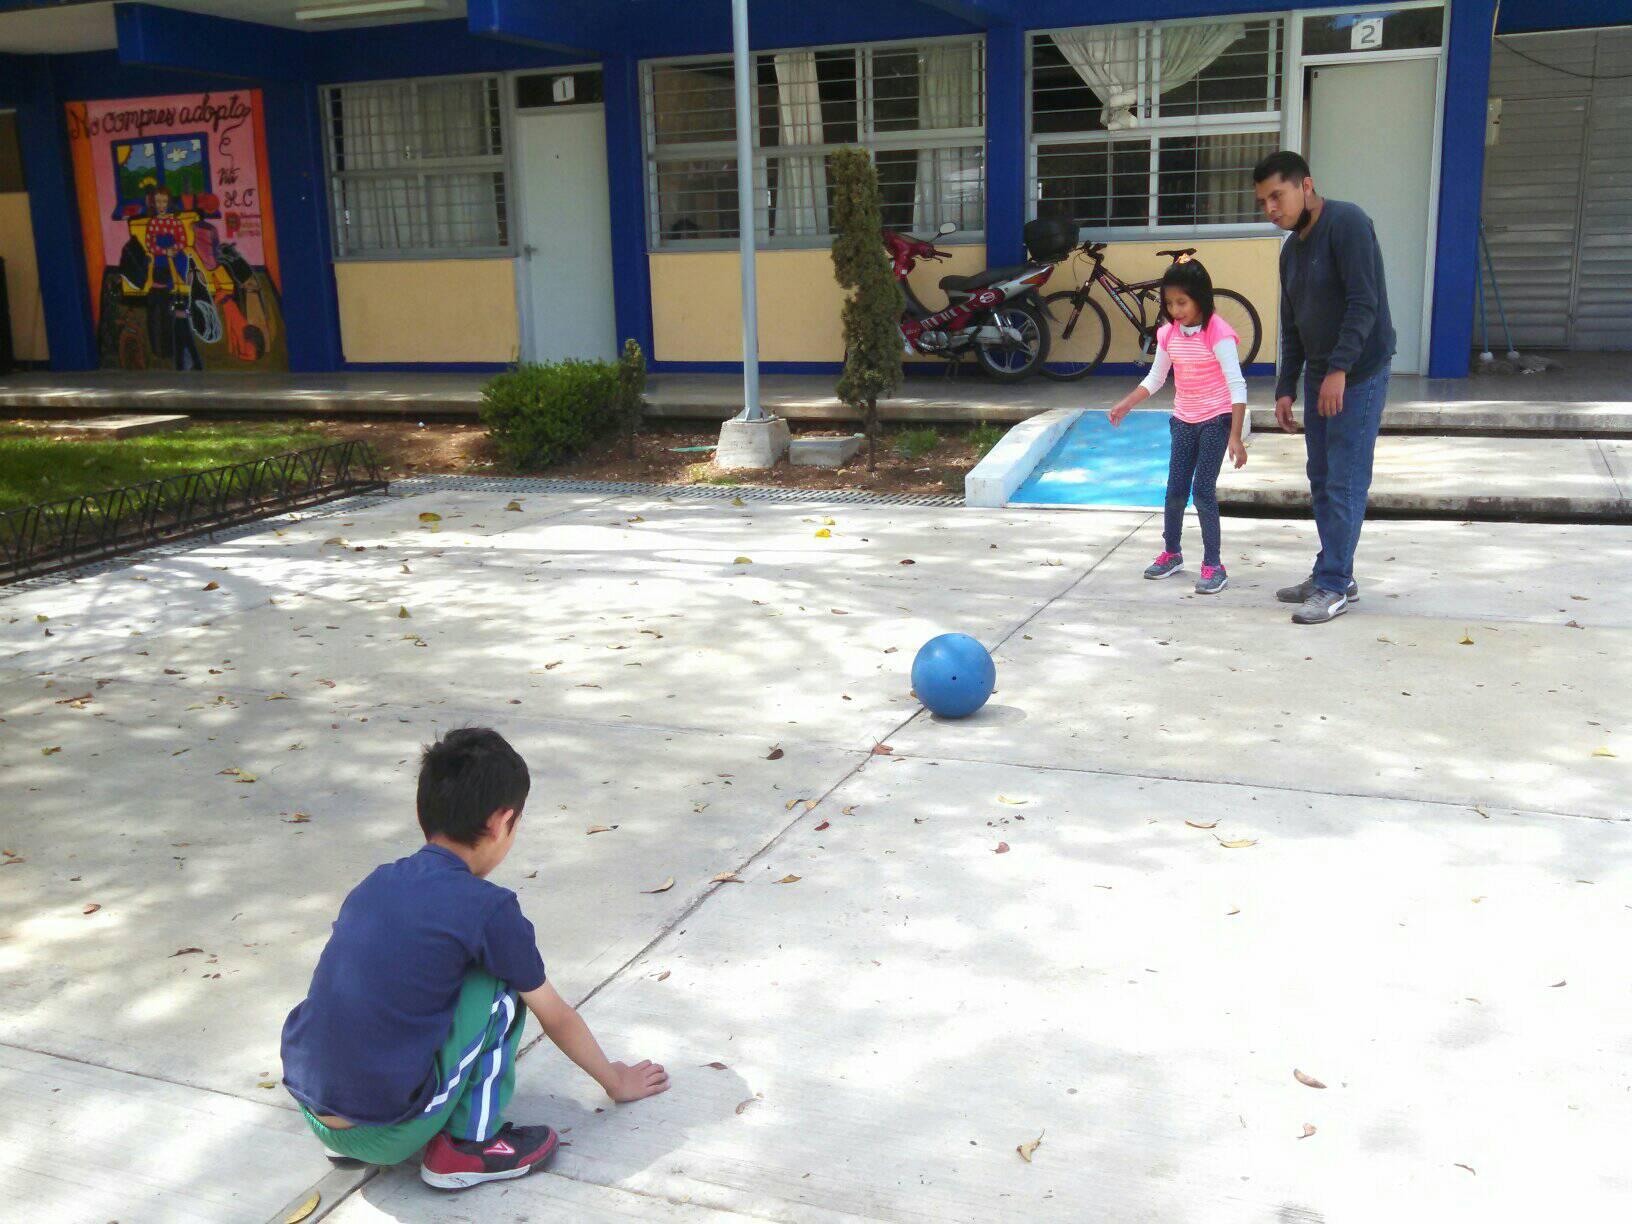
1283 414
1238 452
644 1079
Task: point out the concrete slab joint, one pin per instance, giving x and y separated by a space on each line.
752 444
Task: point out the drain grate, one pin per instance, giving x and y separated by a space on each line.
613 488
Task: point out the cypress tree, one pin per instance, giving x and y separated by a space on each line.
873 301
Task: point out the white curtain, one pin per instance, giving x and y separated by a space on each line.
801 179
1224 175
1107 60
1188 49
948 98
454 122
376 131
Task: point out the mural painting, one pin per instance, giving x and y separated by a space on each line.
179 241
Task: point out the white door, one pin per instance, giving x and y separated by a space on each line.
1371 142
566 234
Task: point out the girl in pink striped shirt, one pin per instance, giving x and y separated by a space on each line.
1209 410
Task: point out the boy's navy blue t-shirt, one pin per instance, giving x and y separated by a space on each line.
363 1044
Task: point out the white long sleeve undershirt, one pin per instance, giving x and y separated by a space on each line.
1229 359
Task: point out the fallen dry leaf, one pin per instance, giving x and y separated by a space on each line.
1232 913
1002 848
882 750
1013 802
756 1097
1602 752
91 908
1308 1081
737 501
1240 843
296 818
212 586
267 1084
789 879
906 561
664 976
1307 1131
775 754
599 829
824 534
429 516
822 826
279 697
1467 639
726 877
1026 1149
305 1209
51 751
636 519
402 613
1194 825
41 617
716 1066
663 887
1557 984
515 505
184 952
1469 1168
743 561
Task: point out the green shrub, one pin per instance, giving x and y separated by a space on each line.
916 443
631 393
985 436
538 414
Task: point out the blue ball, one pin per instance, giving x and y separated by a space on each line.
953 675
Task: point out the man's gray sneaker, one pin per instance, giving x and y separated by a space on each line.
1165 566
1320 607
1300 593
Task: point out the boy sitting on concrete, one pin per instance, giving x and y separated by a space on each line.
408 1036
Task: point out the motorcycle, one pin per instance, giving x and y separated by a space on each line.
995 313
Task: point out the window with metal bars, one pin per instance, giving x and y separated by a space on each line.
919 109
1157 124
417 168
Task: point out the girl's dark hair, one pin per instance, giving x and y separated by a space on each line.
464 778
1192 278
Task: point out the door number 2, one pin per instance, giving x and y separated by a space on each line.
1366 34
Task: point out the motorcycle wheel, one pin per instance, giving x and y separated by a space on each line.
1087 337
1010 362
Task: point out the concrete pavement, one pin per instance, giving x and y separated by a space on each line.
1429 919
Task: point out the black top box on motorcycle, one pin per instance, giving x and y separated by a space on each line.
1050 239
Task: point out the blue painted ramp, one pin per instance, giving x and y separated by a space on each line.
1098 464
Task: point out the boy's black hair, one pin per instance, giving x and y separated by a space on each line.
1191 277
464 778
1283 164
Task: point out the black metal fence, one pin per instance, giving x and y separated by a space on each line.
38 539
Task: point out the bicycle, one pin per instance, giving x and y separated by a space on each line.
1087 328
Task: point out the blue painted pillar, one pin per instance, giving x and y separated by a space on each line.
626 182
1005 143
1461 177
297 175
48 171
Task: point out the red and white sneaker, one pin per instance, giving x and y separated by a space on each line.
454 1164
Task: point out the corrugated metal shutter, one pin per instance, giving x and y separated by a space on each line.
1558 190
1603 288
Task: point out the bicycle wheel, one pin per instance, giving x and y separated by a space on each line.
1082 336
1009 362
1239 314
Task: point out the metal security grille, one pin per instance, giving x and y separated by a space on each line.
418 167
1154 125
1557 209
52 536
919 109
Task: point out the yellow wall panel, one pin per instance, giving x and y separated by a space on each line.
697 303
696 298
22 278
432 310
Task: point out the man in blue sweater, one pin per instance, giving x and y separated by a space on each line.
1336 333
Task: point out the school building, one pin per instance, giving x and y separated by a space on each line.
324 185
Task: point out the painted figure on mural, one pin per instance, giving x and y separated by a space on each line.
194 286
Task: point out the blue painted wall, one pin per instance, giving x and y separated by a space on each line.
295 149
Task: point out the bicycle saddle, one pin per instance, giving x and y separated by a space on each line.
1178 256
991 276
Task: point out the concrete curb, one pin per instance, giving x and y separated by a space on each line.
1004 469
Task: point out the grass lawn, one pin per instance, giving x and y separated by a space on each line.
35 467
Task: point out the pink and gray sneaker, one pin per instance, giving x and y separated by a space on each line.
1165 566
1213 580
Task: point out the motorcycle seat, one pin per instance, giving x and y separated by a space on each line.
991 276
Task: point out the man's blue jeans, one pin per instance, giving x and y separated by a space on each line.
1340 455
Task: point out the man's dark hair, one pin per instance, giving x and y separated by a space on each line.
1283 164
464 778
1191 278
